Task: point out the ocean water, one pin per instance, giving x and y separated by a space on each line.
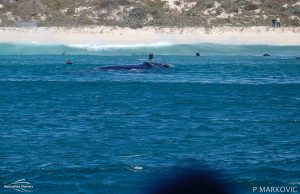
73 129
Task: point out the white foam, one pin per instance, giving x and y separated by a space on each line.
137 168
97 47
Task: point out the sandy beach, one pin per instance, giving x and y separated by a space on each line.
151 35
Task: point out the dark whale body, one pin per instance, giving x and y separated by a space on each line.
145 65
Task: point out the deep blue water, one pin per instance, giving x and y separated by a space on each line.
72 129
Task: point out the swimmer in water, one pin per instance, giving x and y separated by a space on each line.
69 62
151 57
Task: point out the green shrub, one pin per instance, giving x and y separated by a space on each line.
208 4
249 6
178 3
137 13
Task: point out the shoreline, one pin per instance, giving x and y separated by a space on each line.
94 35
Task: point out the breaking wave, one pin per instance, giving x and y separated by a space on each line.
161 48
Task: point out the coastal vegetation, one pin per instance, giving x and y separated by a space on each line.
137 14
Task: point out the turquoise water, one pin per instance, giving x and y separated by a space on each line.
72 129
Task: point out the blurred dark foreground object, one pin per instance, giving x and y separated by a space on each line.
191 182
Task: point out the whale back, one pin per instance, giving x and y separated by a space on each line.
145 65
148 65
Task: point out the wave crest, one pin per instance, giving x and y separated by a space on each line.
160 48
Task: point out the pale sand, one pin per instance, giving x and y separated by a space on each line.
151 35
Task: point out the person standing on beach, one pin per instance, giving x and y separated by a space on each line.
278 25
274 22
151 57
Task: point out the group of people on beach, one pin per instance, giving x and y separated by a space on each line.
276 22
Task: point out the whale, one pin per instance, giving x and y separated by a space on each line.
145 65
